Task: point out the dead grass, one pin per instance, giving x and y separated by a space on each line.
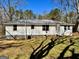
24 51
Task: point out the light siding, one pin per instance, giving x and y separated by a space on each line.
66 32
38 30
26 30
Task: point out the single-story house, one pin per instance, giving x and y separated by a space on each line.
37 27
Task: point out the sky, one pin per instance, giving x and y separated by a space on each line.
39 6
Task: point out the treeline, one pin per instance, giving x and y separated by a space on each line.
10 10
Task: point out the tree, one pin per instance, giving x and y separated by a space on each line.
17 14
68 6
71 16
55 14
10 7
40 16
28 14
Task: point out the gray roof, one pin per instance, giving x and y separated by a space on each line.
36 22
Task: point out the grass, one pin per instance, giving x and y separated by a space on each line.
22 49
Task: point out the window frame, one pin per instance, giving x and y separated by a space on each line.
68 27
32 26
65 28
45 27
14 27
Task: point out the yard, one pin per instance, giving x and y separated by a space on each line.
22 49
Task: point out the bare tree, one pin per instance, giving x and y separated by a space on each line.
67 7
9 7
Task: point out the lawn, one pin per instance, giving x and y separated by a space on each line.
22 49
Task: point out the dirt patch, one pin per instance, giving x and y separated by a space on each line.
76 34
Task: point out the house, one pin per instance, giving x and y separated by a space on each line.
37 27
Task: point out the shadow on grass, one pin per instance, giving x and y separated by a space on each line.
41 52
74 55
64 51
9 45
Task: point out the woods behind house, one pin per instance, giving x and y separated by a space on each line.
67 12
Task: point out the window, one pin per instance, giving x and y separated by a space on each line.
68 27
32 27
65 28
14 27
45 27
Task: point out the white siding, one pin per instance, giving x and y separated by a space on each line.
78 28
38 30
78 6
66 32
61 30
22 30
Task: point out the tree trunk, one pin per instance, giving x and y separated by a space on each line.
75 28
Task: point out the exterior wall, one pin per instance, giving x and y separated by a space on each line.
38 30
78 6
66 32
78 28
9 30
22 30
